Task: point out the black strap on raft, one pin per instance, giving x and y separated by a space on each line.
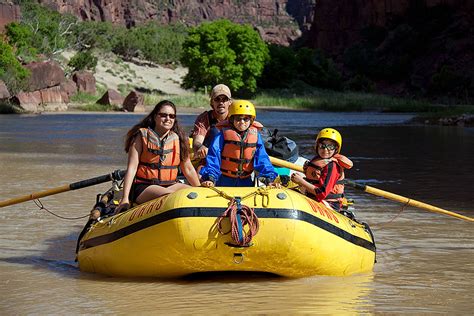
367 229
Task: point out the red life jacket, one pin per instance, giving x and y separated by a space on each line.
159 160
239 150
315 168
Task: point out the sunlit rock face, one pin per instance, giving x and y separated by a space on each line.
278 21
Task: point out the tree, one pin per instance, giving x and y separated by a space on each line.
224 52
41 30
11 71
83 60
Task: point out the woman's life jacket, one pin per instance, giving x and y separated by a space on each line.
326 175
159 160
239 150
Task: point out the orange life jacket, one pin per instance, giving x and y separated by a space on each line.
238 152
316 166
159 159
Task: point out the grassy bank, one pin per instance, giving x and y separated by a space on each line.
313 100
326 100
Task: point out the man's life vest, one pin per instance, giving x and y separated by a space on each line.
159 160
316 166
239 150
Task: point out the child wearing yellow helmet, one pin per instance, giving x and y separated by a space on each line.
325 171
237 150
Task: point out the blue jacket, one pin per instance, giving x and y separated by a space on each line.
212 169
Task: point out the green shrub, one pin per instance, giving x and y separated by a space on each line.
317 70
93 35
11 71
224 52
447 80
83 60
360 83
282 68
41 31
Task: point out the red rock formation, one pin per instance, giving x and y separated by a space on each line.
8 13
134 102
337 24
111 97
4 94
277 25
44 75
85 81
69 87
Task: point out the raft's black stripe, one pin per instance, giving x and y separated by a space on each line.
216 212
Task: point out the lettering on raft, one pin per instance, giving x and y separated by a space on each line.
322 210
146 208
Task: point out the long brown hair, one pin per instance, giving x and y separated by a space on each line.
149 122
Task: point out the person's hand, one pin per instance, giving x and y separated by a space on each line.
207 184
305 165
122 207
202 152
275 185
297 178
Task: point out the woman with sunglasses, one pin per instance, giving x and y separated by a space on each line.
325 171
237 151
156 147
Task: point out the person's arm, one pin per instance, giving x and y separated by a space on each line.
201 126
261 162
132 166
212 170
200 151
189 172
326 183
305 185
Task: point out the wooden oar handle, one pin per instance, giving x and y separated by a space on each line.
405 200
378 192
283 163
35 195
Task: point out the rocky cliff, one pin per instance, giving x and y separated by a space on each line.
403 46
278 21
408 45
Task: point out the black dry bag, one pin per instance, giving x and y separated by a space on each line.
279 146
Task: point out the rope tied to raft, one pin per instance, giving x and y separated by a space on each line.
239 216
40 205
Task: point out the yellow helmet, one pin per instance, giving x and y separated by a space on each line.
242 107
331 133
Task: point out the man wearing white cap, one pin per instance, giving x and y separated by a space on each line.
205 125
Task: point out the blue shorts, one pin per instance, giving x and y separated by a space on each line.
225 181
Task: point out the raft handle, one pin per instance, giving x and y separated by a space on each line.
240 257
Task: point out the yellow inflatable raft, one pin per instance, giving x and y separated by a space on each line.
178 234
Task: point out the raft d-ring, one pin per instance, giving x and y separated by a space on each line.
238 258
111 222
192 195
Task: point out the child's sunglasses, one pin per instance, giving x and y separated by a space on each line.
327 146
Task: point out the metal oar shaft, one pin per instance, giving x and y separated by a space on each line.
116 175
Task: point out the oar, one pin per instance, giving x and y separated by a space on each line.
286 164
116 175
381 193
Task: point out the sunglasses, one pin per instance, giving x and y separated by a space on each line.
221 99
241 118
327 146
163 115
